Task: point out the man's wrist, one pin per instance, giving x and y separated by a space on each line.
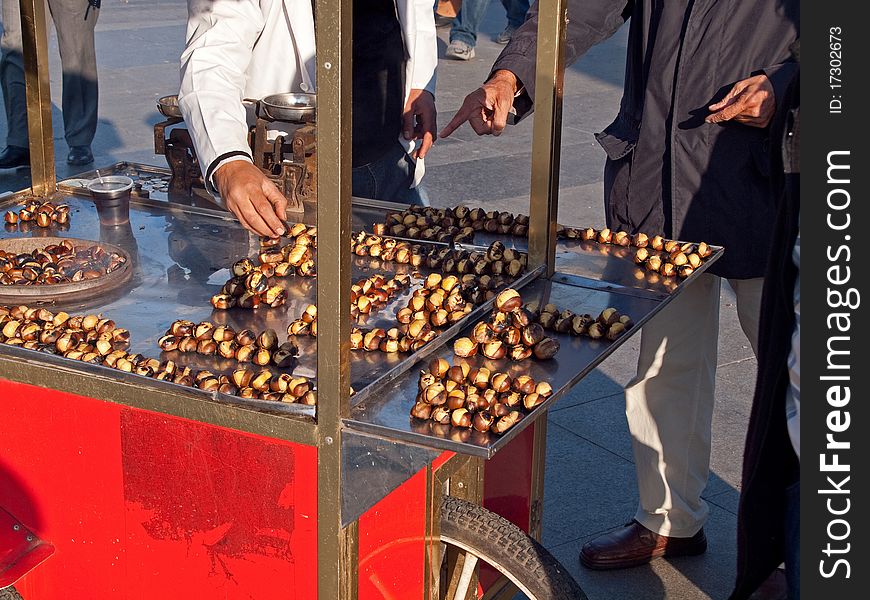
222 166
507 77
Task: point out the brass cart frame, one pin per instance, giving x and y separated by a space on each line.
337 544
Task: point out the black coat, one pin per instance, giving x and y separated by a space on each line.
668 172
769 462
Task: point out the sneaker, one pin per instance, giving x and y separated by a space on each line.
459 50
505 36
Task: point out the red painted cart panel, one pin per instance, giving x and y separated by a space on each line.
141 505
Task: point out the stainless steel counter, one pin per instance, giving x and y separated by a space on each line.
182 253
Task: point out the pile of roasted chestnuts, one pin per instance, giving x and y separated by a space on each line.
511 332
41 214
63 262
670 258
609 324
249 286
209 339
469 397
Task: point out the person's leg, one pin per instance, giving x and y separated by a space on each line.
12 76
793 540
467 22
75 38
669 406
516 12
395 174
390 178
748 292
363 183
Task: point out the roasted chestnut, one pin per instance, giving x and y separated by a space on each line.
441 415
595 331
421 410
520 353
546 349
508 300
439 367
494 350
523 384
460 418
465 347
503 424
608 316
243 267
482 421
533 400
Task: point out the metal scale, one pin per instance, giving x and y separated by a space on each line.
289 161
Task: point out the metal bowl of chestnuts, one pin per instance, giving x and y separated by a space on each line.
48 269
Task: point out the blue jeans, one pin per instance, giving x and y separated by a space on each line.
387 178
793 540
468 20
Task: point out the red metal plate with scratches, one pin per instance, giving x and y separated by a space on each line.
219 513
141 505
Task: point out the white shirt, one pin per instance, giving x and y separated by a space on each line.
249 49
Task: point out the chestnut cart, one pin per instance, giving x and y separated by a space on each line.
114 485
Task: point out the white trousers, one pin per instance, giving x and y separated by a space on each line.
669 404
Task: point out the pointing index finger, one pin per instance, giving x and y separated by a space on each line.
458 119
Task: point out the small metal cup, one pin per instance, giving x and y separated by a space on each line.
111 196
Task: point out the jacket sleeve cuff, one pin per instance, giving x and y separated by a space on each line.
226 157
780 76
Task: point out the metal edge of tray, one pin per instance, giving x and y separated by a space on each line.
439 342
282 421
487 452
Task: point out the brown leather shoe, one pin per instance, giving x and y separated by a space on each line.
635 545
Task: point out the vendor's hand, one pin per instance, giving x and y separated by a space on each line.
419 120
486 108
751 102
250 196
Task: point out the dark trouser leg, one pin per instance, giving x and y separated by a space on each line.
516 11
467 22
12 76
75 38
793 540
388 178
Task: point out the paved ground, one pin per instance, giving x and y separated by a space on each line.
590 485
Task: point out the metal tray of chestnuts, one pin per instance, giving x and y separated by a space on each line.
45 270
178 259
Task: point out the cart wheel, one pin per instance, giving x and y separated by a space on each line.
481 536
10 594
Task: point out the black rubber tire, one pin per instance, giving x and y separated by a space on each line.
497 541
10 593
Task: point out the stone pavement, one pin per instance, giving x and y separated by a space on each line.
590 484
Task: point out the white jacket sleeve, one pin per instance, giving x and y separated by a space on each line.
421 43
220 38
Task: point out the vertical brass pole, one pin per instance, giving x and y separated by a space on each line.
337 560
547 133
35 47
539 462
